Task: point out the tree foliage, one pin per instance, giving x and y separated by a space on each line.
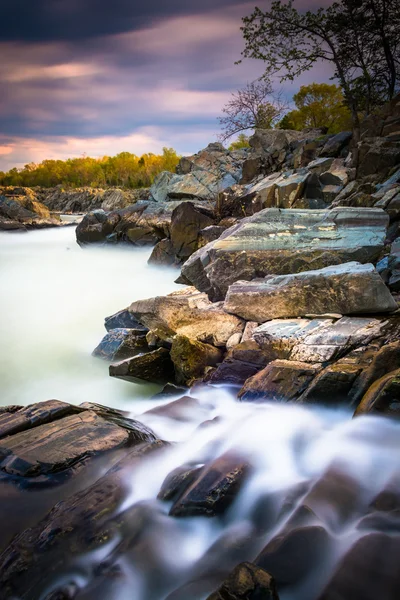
242 141
359 38
318 105
123 170
252 107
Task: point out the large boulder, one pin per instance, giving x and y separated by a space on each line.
191 358
277 241
350 288
121 343
53 437
201 176
383 396
155 366
187 221
189 313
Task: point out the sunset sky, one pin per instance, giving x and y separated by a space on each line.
100 77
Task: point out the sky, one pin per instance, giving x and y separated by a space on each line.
98 77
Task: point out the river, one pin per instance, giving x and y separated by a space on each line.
53 300
54 297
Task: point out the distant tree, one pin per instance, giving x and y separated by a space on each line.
253 107
357 37
242 141
318 105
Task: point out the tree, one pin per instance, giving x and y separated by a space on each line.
241 142
345 35
250 108
318 105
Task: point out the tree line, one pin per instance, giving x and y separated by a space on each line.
123 170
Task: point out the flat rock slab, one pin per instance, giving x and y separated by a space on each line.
316 340
58 445
283 241
189 313
33 415
350 288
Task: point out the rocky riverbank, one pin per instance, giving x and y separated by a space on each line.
289 257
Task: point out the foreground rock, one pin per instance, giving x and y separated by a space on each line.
350 288
155 367
54 438
247 582
188 313
83 522
280 242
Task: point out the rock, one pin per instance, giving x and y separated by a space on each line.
163 253
14 215
155 366
333 385
121 343
209 234
123 319
214 490
186 223
350 288
232 372
247 582
184 409
281 380
36 445
200 176
16 419
316 340
177 481
367 571
85 521
187 312
290 188
377 156
383 396
276 241
191 358
293 555
394 265
335 144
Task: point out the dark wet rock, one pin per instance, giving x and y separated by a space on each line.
16 419
388 499
281 380
53 437
335 144
247 582
214 490
394 265
187 312
350 288
186 223
83 522
367 571
293 555
336 498
163 253
333 385
169 390
382 397
232 372
191 358
286 241
177 481
184 409
118 344
155 366
138 431
123 319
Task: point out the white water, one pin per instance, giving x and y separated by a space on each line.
53 299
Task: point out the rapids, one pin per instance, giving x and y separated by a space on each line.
53 299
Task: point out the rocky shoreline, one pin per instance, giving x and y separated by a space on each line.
289 255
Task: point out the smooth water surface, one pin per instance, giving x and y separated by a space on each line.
54 297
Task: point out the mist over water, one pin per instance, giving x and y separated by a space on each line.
53 300
54 297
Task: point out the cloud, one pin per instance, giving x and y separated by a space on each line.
157 79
